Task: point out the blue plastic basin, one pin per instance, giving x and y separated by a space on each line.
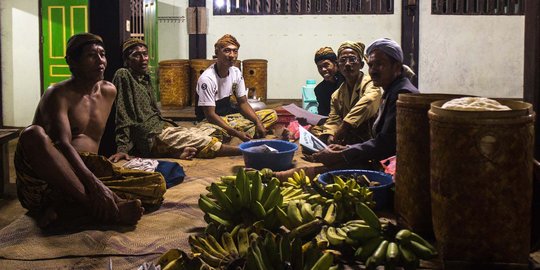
275 161
381 193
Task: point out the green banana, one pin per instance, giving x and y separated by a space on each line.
208 206
362 233
242 242
330 216
219 220
306 229
258 209
318 212
392 256
324 262
213 241
169 256
208 247
236 197
421 251
221 198
410 260
366 250
229 245
256 188
364 212
283 218
380 253
294 215
273 199
333 237
419 239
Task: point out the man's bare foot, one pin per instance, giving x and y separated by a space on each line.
48 217
129 212
188 153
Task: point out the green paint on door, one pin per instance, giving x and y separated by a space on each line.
60 20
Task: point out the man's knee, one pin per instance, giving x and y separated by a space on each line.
33 136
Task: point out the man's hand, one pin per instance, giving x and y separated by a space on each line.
119 156
260 131
102 203
328 157
337 147
241 135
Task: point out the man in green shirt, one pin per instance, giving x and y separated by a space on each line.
140 128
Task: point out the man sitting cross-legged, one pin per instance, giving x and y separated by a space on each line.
59 179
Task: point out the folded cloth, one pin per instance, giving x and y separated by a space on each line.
263 148
172 172
143 164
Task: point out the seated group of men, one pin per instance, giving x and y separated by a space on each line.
59 176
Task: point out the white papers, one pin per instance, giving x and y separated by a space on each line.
309 142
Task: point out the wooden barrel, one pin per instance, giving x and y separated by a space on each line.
255 77
481 195
197 67
174 83
412 193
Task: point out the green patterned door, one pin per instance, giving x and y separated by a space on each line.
60 20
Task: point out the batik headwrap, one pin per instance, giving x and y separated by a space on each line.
226 40
358 47
325 53
131 43
387 46
79 40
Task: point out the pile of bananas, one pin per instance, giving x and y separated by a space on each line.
244 201
298 180
303 219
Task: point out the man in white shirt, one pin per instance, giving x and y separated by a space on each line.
215 88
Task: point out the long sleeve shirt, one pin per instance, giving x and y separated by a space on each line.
383 145
354 107
138 118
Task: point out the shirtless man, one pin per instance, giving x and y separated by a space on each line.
70 118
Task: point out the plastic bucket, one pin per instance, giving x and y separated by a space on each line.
276 161
481 195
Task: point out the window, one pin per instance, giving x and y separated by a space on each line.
302 7
478 7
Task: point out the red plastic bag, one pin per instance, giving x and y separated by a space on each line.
389 165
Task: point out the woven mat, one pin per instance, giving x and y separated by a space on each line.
24 246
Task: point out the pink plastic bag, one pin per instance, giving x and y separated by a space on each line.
294 132
389 165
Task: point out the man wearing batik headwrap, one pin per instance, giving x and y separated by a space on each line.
354 104
215 87
326 61
59 178
385 61
140 128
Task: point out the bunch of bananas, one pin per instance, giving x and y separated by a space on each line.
280 252
298 180
292 194
346 194
299 215
224 254
176 259
379 245
244 202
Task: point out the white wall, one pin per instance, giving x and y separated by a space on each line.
20 61
173 40
290 42
476 55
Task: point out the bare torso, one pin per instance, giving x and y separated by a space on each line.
76 113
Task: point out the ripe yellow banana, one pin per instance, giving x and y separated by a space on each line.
330 216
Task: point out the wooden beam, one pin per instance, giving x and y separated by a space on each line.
531 80
197 42
409 35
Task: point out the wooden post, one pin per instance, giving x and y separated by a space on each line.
108 19
197 42
531 80
410 17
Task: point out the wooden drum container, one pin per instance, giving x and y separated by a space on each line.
174 83
412 196
481 185
197 67
255 77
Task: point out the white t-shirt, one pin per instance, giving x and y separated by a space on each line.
210 87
